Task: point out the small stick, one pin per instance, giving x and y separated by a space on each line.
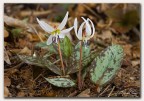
93 12
111 91
15 67
80 68
59 50
37 34
104 90
72 94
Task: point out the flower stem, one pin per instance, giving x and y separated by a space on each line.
60 54
80 68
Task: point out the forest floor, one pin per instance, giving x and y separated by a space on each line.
24 80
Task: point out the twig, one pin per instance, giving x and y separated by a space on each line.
55 61
111 91
80 68
59 50
88 8
35 13
15 67
104 90
73 94
37 33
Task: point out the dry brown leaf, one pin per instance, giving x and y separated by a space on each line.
21 94
135 62
132 84
105 7
14 22
84 93
7 81
6 57
127 49
101 24
24 42
6 34
136 50
25 51
106 34
6 92
80 9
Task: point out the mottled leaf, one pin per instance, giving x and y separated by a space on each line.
61 81
66 46
74 64
85 51
42 62
105 66
50 48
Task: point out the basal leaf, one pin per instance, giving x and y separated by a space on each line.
42 62
67 47
61 81
105 66
51 48
85 51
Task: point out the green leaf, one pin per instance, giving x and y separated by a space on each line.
105 66
85 51
66 47
61 81
50 47
42 62
16 32
74 64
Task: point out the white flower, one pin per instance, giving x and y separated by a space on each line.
56 33
88 33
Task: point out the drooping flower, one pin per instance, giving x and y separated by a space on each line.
56 32
87 33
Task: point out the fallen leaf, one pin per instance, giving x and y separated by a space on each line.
6 34
135 62
25 51
6 92
6 57
106 34
136 50
21 94
135 83
127 49
7 81
84 93
101 24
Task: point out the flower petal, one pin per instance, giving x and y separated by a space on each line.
63 23
88 27
66 30
75 26
61 35
49 41
80 31
93 28
45 26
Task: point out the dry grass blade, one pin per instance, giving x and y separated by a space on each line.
35 13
